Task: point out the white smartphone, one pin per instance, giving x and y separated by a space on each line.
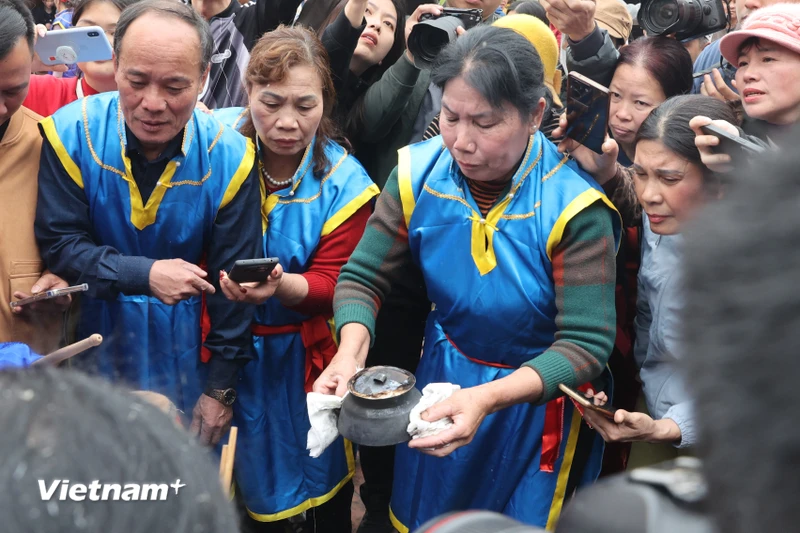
73 45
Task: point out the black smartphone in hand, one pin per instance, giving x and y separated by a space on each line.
587 112
737 147
252 270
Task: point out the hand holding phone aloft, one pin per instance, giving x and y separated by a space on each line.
73 45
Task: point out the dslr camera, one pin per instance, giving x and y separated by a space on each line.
687 19
433 33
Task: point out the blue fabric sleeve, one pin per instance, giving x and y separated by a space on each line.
64 233
683 415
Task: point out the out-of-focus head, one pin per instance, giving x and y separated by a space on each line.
649 71
529 7
767 53
103 13
64 429
162 51
670 180
488 6
741 262
493 100
745 8
613 16
545 43
16 55
291 94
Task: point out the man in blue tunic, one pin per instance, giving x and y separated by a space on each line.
136 191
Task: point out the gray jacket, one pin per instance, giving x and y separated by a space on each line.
595 57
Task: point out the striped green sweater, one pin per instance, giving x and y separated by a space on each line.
584 273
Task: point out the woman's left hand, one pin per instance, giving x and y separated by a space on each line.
632 427
467 408
252 293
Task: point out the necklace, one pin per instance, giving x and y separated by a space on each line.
274 182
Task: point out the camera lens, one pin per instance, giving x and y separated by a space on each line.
664 13
93 34
429 37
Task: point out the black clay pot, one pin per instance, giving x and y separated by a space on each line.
376 411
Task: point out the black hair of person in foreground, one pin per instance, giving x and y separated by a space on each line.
63 425
742 327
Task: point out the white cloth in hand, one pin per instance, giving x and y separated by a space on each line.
323 413
432 394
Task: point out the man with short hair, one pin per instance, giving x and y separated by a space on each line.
136 189
20 146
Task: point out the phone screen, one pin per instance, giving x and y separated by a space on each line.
587 114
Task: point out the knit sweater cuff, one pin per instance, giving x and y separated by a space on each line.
553 369
355 313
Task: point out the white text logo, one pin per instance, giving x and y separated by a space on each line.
63 490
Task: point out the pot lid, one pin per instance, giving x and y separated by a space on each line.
381 382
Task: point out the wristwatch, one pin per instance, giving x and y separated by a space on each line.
224 396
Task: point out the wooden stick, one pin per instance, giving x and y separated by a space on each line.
226 461
54 358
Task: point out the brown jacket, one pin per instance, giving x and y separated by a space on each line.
20 264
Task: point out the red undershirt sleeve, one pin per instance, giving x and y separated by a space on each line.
332 253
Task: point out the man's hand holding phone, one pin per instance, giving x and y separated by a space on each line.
47 282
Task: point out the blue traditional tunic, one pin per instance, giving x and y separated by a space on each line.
148 344
491 281
274 472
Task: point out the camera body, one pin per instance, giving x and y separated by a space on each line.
433 33
687 19
469 17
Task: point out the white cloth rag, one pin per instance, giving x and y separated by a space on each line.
432 394
323 413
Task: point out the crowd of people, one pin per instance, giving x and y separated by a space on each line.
433 218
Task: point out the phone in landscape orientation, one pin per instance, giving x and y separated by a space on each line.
48 295
587 112
587 403
737 147
253 270
73 45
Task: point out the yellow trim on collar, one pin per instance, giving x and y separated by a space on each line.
349 209
404 183
145 215
245 167
49 128
312 502
563 472
581 202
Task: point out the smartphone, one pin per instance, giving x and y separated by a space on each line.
48 295
253 270
587 403
737 147
73 45
587 112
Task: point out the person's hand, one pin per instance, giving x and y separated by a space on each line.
354 11
210 420
714 85
37 65
333 380
252 293
602 167
573 18
467 408
719 163
632 427
413 20
47 282
173 280
599 399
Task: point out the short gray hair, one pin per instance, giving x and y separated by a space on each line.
170 8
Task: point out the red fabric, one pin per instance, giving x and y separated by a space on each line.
47 94
317 340
332 253
552 434
553 420
557 34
